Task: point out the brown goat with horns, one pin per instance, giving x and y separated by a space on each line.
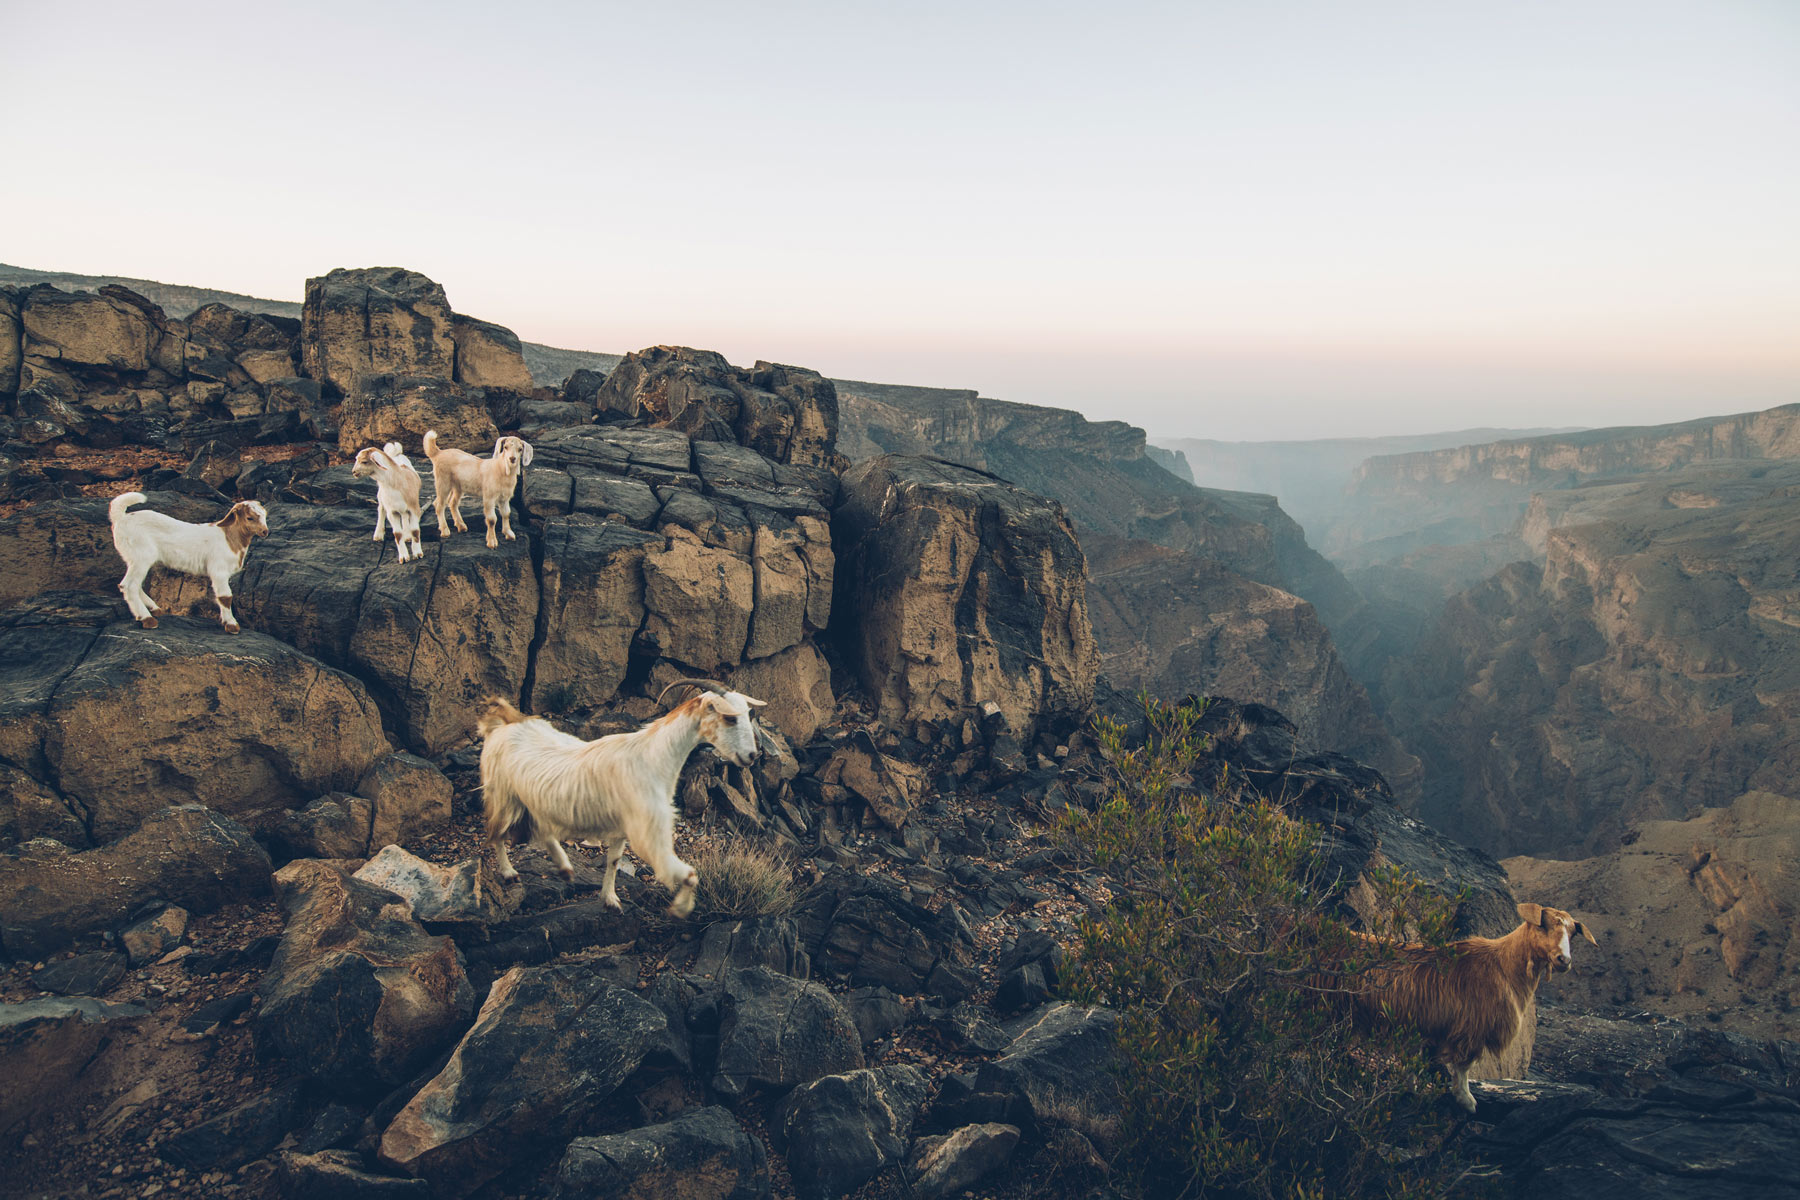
1469 997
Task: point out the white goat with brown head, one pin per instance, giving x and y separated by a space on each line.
396 496
541 784
456 472
1470 997
149 539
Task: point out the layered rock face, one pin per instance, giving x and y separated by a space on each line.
1163 619
1119 497
1643 667
957 589
1479 490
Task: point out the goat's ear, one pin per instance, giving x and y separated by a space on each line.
1585 932
524 453
1532 914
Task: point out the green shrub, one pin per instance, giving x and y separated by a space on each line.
739 879
1243 1074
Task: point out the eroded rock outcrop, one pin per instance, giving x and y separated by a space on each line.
787 414
956 589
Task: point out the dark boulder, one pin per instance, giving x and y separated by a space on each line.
549 1047
775 1032
842 1130
358 994
233 1138
952 1163
703 1154
50 896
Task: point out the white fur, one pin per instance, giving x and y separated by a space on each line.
455 472
149 539
396 496
619 789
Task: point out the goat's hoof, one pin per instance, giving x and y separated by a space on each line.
234 627
511 537
147 622
612 903
493 544
567 873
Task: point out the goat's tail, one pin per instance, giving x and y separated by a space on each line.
496 712
121 502
431 450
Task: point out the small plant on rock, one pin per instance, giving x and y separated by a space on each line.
1242 1072
740 879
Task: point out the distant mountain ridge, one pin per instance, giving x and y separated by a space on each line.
1310 477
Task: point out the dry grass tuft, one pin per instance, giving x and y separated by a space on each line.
739 879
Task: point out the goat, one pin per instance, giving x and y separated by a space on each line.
146 539
541 784
454 472
1471 995
396 496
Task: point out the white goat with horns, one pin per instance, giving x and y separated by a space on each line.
541 784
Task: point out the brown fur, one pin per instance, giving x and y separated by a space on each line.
1469 997
240 527
497 711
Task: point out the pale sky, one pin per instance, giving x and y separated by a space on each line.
1241 220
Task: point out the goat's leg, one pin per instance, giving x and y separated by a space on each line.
1459 1086
507 872
679 878
615 850
554 848
132 588
380 521
456 510
221 582
487 511
505 507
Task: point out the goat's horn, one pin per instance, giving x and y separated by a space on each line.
710 685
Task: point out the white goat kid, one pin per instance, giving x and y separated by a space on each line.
148 539
455 472
541 784
396 496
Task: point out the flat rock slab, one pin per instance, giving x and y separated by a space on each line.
46 1044
548 1048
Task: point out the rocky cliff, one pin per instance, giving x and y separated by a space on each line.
1469 492
1231 553
250 945
1643 666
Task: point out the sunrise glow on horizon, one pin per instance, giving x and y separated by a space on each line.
1213 220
